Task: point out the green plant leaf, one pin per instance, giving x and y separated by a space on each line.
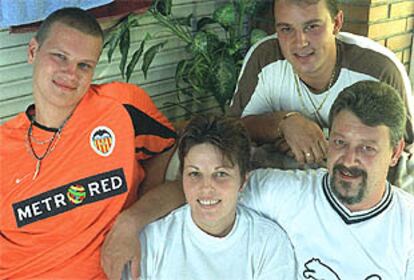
108 38
203 22
198 75
112 43
225 15
187 92
179 72
249 6
224 80
238 46
214 61
186 21
132 20
150 55
136 56
170 22
134 60
163 7
124 49
256 35
200 42
118 32
206 43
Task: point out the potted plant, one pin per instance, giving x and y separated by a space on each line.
216 44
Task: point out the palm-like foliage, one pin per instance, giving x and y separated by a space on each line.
214 60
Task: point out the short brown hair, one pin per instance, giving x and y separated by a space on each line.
73 17
374 103
227 134
331 4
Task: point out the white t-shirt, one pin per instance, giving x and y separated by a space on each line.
174 247
268 82
330 241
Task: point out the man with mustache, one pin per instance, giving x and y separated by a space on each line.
347 222
290 80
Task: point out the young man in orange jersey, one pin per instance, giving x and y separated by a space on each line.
76 159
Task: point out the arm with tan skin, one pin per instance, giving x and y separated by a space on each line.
159 198
301 135
263 128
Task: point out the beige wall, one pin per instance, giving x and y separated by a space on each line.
15 73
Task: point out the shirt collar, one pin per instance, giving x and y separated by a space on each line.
355 217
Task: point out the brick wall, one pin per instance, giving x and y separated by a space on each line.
389 22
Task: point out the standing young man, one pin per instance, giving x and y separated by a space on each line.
76 158
290 80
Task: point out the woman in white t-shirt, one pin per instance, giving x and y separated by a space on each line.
212 237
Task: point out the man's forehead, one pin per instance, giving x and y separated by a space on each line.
286 10
346 123
300 3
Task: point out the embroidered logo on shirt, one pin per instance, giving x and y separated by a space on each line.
70 196
102 140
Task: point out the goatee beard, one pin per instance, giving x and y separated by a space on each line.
346 186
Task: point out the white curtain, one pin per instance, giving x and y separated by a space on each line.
17 12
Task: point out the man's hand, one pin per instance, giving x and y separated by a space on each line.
283 147
305 139
121 246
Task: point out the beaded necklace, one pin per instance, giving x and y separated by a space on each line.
52 142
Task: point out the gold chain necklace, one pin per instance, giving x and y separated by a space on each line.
50 147
316 109
40 142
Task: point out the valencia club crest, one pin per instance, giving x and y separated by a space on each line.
102 140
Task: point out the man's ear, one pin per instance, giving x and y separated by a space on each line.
338 22
396 152
32 50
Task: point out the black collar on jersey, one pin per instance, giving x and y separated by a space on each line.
352 218
30 113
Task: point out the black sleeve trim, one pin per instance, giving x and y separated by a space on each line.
145 125
151 153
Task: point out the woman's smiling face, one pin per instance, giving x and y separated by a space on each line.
211 185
